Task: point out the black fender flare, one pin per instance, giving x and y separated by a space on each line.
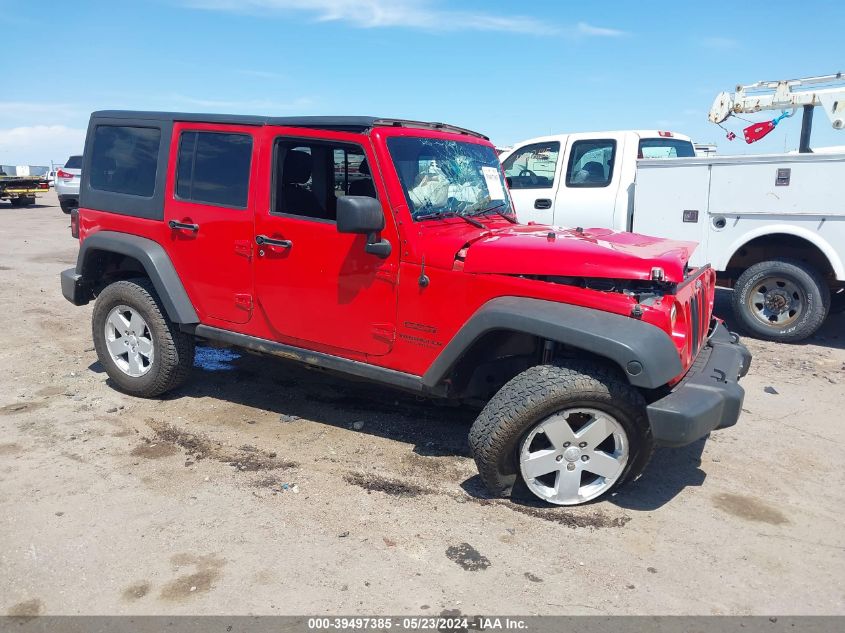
156 263
644 353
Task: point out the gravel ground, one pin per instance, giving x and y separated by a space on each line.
264 488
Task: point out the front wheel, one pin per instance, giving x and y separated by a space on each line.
571 432
781 300
144 353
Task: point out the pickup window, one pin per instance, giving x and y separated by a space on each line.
665 148
591 163
532 166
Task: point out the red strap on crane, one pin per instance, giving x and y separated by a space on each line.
756 131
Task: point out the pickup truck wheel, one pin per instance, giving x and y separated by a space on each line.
571 432
781 300
143 352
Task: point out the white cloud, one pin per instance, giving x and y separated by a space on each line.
246 106
39 144
597 31
719 43
30 111
259 74
418 14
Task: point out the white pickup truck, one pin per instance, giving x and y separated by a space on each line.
772 226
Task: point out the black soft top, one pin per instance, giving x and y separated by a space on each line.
340 123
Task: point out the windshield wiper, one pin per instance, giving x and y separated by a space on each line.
496 209
450 214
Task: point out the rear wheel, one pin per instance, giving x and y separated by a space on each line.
143 352
571 432
23 201
67 205
781 300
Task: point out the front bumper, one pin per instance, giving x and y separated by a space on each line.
709 396
73 288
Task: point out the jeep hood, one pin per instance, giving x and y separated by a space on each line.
540 250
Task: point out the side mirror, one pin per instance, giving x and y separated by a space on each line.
364 215
359 214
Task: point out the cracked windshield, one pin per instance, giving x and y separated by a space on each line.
444 178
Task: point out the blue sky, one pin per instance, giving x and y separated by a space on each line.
510 70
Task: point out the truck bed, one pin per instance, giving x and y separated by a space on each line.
724 201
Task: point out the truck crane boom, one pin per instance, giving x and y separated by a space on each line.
824 91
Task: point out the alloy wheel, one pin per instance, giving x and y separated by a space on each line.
573 456
129 341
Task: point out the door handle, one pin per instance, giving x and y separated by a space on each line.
542 203
183 226
261 240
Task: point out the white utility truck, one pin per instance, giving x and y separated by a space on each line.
772 226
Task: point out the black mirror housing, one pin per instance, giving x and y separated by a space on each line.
359 214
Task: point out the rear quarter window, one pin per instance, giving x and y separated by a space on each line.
124 159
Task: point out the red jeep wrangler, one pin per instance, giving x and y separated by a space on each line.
388 250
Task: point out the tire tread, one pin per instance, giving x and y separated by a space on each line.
786 266
174 348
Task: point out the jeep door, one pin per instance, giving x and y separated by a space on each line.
316 287
208 207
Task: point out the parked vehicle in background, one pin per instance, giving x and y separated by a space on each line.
773 227
67 183
585 348
20 191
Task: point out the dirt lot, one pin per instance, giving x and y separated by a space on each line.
264 488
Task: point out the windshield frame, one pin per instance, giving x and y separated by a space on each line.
476 152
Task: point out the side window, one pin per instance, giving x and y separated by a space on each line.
124 159
533 166
213 168
309 177
591 163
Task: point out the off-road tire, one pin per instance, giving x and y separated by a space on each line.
811 283
541 391
173 350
